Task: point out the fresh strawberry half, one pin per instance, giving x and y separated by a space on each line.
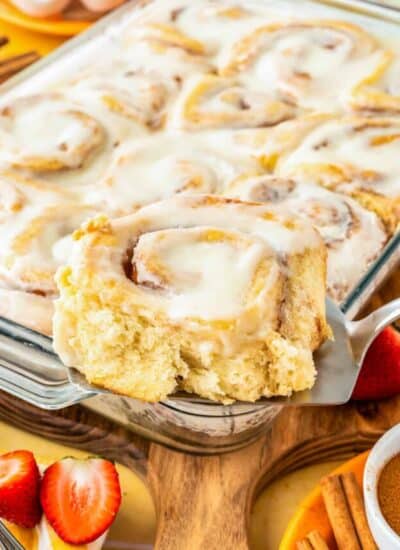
19 488
380 373
80 498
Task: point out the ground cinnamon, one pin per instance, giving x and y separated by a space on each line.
388 493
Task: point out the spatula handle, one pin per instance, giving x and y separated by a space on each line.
362 333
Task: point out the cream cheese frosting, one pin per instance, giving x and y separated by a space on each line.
186 98
353 235
36 220
164 165
366 148
46 133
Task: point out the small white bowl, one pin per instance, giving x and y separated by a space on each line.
386 448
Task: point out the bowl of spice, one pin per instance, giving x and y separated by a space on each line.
382 490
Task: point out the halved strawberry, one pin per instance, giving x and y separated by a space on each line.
380 373
80 498
19 488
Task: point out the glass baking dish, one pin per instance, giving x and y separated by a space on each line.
31 371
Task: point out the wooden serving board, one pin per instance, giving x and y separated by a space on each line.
204 503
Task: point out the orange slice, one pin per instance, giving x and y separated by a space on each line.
311 512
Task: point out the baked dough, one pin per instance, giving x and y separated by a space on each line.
215 296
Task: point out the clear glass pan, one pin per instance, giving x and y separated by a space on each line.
30 370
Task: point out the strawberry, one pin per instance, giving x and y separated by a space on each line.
80 498
19 489
380 373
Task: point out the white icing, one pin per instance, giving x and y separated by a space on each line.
197 257
36 222
391 80
48 128
208 279
161 166
353 235
227 104
302 64
350 143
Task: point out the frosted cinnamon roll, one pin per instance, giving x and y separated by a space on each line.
164 165
164 53
36 221
210 101
380 92
314 64
353 236
47 133
215 23
130 93
214 296
353 155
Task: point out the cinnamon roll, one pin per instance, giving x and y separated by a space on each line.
210 101
131 93
216 23
164 54
46 133
314 64
352 155
36 220
214 296
353 236
164 165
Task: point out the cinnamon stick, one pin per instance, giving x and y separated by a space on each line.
339 513
313 541
12 65
304 545
356 504
316 540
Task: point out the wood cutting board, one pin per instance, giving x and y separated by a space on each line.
204 503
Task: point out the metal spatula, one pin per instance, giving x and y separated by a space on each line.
30 370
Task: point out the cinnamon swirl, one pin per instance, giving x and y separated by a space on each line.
160 166
165 50
352 155
216 23
36 220
133 94
302 60
210 101
45 133
214 296
353 236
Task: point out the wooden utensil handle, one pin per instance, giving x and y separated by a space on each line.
202 501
